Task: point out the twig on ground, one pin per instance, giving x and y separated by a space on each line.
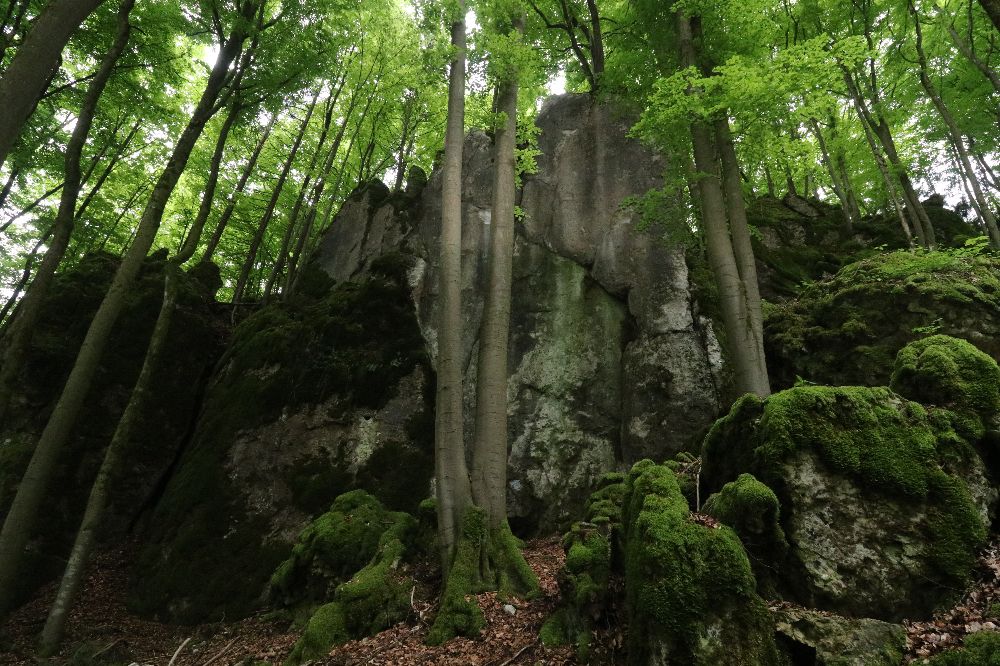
518 654
173 659
220 653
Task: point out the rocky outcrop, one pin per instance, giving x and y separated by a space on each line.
883 505
314 398
193 346
824 639
847 329
610 358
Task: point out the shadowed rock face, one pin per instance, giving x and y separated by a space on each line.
610 361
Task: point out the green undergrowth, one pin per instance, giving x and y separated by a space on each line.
690 591
889 447
846 330
347 345
980 649
592 553
484 559
347 561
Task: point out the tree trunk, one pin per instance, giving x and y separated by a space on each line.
883 168
957 140
241 185
265 220
982 66
992 8
746 264
20 519
453 491
881 131
97 502
34 64
750 377
19 335
838 189
115 160
489 456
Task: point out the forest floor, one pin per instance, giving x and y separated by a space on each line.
102 631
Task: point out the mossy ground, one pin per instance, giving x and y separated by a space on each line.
484 560
593 550
350 557
981 649
353 340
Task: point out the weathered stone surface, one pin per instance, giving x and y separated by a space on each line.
830 640
882 505
610 360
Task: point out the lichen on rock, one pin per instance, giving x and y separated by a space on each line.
876 524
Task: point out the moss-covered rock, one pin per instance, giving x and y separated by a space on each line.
825 639
314 397
752 510
981 649
690 591
592 550
846 330
193 345
954 374
363 598
878 526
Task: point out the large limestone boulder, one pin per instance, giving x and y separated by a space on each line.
193 346
611 360
825 639
882 504
325 394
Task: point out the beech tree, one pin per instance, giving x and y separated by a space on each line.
35 62
20 518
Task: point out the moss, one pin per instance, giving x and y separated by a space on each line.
846 330
374 596
752 510
355 341
325 629
888 446
980 649
554 629
689 589
952 373
459 615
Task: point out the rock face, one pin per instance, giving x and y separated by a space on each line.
314 398
883 505
829 640
193 346
610 361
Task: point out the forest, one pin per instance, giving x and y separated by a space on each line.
653 332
